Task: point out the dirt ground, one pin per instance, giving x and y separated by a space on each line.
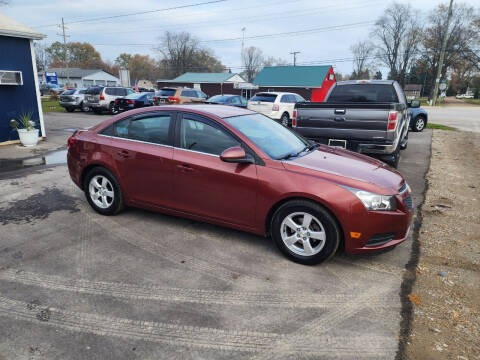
446 294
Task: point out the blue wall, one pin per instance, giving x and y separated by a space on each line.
15 54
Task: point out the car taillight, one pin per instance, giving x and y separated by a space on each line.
154 98
275 107
130 102
102 97
116 101
392 120
294 118
173 99
71 141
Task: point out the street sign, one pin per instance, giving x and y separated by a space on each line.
51 78
443 86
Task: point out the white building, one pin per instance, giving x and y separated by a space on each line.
83 78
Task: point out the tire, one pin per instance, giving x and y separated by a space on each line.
97 111
285 120
84 108
321 248
100 180
70 109
395 158
112 109
419 124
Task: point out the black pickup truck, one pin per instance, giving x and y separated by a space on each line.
366 116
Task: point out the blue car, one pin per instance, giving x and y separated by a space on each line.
233 100
418 118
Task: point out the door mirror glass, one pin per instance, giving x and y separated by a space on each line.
415 104
235 154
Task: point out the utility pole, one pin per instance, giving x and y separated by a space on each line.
442 55
294 53
65 59
243 44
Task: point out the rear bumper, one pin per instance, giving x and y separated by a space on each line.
97 105
364 146
69 104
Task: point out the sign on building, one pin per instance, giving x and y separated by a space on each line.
51 78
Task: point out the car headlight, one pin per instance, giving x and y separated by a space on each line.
373 201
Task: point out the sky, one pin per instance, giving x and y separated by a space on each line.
321 30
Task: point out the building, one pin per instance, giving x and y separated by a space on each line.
210 83
311 82
83 78
19 90
412 90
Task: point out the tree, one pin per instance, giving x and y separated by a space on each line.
205 61
82 55
378 75
398 33
362 53
252 58
123 60
272 61
178 50
142 67
41 56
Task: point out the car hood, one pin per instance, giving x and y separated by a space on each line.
349 165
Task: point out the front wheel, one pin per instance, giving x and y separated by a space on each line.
103 191
84 108
419 124
70 109
113 110
305 232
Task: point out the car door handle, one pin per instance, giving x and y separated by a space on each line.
123 153
185 168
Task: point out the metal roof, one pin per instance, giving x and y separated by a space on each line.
74 72
192 77
12 28
296 76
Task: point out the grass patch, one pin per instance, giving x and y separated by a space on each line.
439 127
49 105
473 101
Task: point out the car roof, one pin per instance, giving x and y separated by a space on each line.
276 93
350 82
219 111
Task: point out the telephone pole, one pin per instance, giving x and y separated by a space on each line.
65 58
442 55
294 53
243 44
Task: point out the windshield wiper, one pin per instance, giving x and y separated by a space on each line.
306 148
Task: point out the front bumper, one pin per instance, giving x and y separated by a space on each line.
379 229
69 104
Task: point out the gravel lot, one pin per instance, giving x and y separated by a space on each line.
446 294
142 285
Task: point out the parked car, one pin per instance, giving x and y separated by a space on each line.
276 105
178 95
366 116
226 99
142 89
73 99
237 168
50 89
100 98
418 118
465 96
133 101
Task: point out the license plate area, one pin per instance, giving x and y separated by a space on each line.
337 143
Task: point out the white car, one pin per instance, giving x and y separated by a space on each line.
276 105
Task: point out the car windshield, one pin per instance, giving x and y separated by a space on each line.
219 98
166 92
69 92
274 139
363 93
264 97
135 96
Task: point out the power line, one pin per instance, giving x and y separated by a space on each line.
135 13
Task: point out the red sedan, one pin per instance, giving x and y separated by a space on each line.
237 168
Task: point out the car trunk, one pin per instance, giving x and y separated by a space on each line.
262 102
67 98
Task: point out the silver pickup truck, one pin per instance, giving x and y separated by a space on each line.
367 116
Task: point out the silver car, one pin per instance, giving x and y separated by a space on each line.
74 99
101 98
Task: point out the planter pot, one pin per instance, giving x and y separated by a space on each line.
28 137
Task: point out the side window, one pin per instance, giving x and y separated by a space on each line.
152 129
201 94
243 100
299 98
285 99
199 136
235 100
110 91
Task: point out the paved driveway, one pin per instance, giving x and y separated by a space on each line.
460 116
142 285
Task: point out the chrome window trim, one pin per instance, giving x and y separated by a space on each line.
137 141
198 152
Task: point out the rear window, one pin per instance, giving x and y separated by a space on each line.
219 98
68 92
166 92
135 96
264 97
189 93
363 93
94 90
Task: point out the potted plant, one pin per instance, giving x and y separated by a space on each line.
26 129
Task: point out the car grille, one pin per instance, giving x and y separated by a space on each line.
379 239
408 202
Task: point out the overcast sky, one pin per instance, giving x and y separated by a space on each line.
223 20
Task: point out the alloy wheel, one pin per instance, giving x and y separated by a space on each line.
303 234
101 191
420 124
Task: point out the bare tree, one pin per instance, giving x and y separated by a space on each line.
252 58
178 50
272 61
398 32
4 2
41 55
363 53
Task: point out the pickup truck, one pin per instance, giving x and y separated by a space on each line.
366 116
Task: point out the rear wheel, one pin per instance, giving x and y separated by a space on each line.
113 110
419 124
285 119
84 108
103 191
70 109
395 158
97 111
305 232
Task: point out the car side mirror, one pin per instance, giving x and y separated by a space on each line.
415 104
236 154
